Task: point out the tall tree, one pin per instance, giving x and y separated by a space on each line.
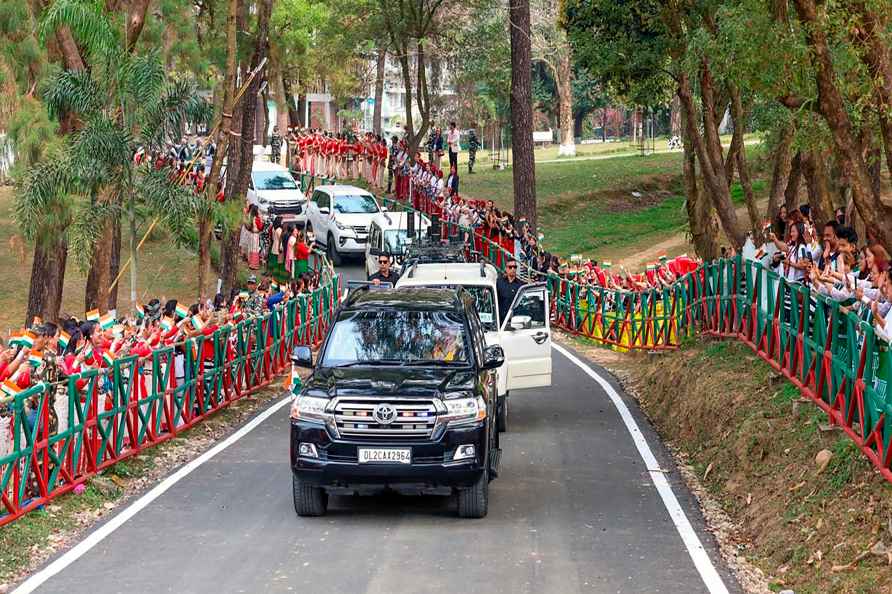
551 47
524 166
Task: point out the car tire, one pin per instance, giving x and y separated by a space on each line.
502 414
473 502
333 253
309 501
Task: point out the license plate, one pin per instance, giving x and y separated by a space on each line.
385 455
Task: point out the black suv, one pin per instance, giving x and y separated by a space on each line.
402 397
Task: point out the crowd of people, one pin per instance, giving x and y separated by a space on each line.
52 350
833 262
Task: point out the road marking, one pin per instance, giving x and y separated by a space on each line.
98 535
702 562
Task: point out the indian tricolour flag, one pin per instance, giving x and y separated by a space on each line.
167 324
15 338
182 311
28 339
93 315
109 358
10 388
606 264
64 339
197 323
140 311
35 358
107 321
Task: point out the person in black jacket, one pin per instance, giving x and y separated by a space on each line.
452 181
507 287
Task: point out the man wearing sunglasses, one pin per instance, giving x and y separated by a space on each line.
384 274
507 287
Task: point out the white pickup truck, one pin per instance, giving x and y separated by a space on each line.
524 335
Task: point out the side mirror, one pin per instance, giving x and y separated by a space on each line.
302 356
383 209
324 210
493 357
520 322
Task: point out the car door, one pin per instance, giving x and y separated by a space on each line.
525 337
374 245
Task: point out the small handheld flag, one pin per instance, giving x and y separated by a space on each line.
35 358
10 388
106 321
243 295
28 339
197 323
140 311
64 339
167 324
93 315
109 358
15 338
181 311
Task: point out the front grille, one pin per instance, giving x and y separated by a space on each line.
286 207
361 229
415 419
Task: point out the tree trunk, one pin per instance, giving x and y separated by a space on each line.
47 278
704 231
99 279
875 214
115 263
524 167
781 172
711 162
791 192
380 65
222 142
565 97
241 154
738 115
815 171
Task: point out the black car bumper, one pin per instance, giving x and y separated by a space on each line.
432 467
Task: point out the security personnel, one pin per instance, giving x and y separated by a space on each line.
507 287
384 274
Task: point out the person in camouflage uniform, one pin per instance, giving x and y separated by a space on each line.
473 145
256 301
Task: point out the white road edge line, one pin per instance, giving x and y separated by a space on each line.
98 535
702 562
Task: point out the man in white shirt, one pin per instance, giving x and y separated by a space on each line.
452 140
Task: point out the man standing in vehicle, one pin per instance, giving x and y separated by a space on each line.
384 274
507 287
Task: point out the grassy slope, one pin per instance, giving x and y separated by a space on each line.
164 270
726 411
588 206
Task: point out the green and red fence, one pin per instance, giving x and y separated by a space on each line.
54 437
827 351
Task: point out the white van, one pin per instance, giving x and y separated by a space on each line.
524 335
388 234
275 193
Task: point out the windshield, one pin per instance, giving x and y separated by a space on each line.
396 240
396 336
350 204
484 303
273 180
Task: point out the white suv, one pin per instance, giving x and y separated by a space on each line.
524 334
340 216
275 193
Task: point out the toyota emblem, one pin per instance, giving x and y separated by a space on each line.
385 414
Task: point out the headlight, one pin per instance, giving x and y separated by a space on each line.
263 200
464 410
308 408
339 225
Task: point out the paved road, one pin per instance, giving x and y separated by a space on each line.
574 510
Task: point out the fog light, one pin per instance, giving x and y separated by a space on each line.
342 240
464 452
308 450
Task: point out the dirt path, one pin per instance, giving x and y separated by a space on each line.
675 245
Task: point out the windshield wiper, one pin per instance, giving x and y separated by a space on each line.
372 362
433 363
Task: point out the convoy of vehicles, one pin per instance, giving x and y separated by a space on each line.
340 216
524 335
403 396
